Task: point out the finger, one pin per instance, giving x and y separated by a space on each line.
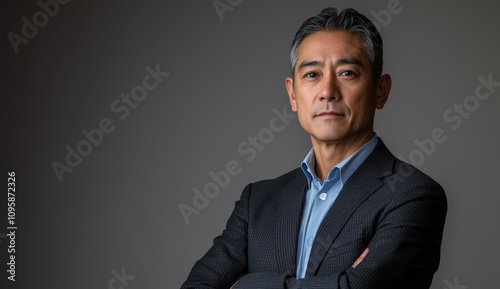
361 258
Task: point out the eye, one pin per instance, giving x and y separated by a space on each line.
348 73
310 74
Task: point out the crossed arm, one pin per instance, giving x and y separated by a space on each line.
354 265
403 253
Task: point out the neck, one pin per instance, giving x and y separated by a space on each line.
328 154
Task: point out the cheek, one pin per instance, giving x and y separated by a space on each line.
303 117
362 112
361 102
357 109
303 114
302 106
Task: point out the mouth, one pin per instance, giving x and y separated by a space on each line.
330 113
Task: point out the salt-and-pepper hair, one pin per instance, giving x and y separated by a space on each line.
348 20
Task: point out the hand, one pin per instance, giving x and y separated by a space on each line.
361 258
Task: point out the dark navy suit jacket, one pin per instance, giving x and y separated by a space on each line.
387 205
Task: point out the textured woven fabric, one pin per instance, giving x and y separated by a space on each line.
387 205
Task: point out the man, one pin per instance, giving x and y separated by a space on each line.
353 216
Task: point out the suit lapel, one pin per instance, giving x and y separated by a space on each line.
363 183
288 223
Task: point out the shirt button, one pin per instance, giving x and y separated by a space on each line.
323 196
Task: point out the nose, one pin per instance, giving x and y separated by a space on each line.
329 89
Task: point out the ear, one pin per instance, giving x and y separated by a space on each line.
384 85
291 93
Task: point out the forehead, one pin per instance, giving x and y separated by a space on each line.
332 45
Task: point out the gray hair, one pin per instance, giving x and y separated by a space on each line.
348 20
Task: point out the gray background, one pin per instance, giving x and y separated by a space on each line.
119 207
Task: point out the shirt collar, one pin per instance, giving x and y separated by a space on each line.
346 167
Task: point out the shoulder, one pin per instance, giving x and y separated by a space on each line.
400 178
270 190
410 174
407 181
295 175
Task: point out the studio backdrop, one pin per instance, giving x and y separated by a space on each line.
131 128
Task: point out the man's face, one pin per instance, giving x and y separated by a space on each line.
333 90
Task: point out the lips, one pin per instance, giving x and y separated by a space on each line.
330 113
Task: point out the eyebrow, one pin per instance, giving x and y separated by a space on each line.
352 61
309 63
341 61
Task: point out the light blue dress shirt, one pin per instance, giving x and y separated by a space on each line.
321 196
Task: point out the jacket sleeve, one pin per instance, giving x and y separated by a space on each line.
226 260
404 251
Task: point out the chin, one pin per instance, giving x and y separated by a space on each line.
328 138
